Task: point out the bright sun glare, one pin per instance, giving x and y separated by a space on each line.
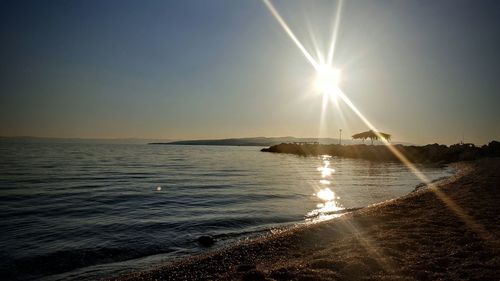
327 79
327 82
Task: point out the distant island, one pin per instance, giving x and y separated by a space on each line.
431 153
257 141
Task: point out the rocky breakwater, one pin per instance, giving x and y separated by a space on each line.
431 153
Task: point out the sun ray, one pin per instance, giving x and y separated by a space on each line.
370 244
315 44
396 152
340 114
450 203
336 24
322 123
459 211
287 29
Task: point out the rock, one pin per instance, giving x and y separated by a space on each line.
245 267
282 274
206 240
254 275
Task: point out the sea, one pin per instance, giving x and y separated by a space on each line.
85 211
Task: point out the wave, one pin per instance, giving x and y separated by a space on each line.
32 267
35 266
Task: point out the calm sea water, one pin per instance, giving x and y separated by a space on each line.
83 211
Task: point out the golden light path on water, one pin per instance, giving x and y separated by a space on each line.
331 94
328 208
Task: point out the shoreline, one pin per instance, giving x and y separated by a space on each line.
447 230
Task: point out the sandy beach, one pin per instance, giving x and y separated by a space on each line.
447 231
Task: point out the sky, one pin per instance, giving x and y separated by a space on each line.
423 71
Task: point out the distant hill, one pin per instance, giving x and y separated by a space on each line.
30 139
257 141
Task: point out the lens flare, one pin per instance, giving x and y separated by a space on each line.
335 29
327 83
288 31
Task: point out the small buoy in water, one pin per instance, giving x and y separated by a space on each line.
158 188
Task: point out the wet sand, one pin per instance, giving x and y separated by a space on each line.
447 231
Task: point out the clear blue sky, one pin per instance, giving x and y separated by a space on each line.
425 71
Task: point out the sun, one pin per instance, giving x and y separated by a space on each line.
327 79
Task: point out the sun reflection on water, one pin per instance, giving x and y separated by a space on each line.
326 194
325 182
329 208
325 170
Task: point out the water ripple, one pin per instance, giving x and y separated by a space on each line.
85 210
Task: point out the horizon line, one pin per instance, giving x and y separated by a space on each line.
215 138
